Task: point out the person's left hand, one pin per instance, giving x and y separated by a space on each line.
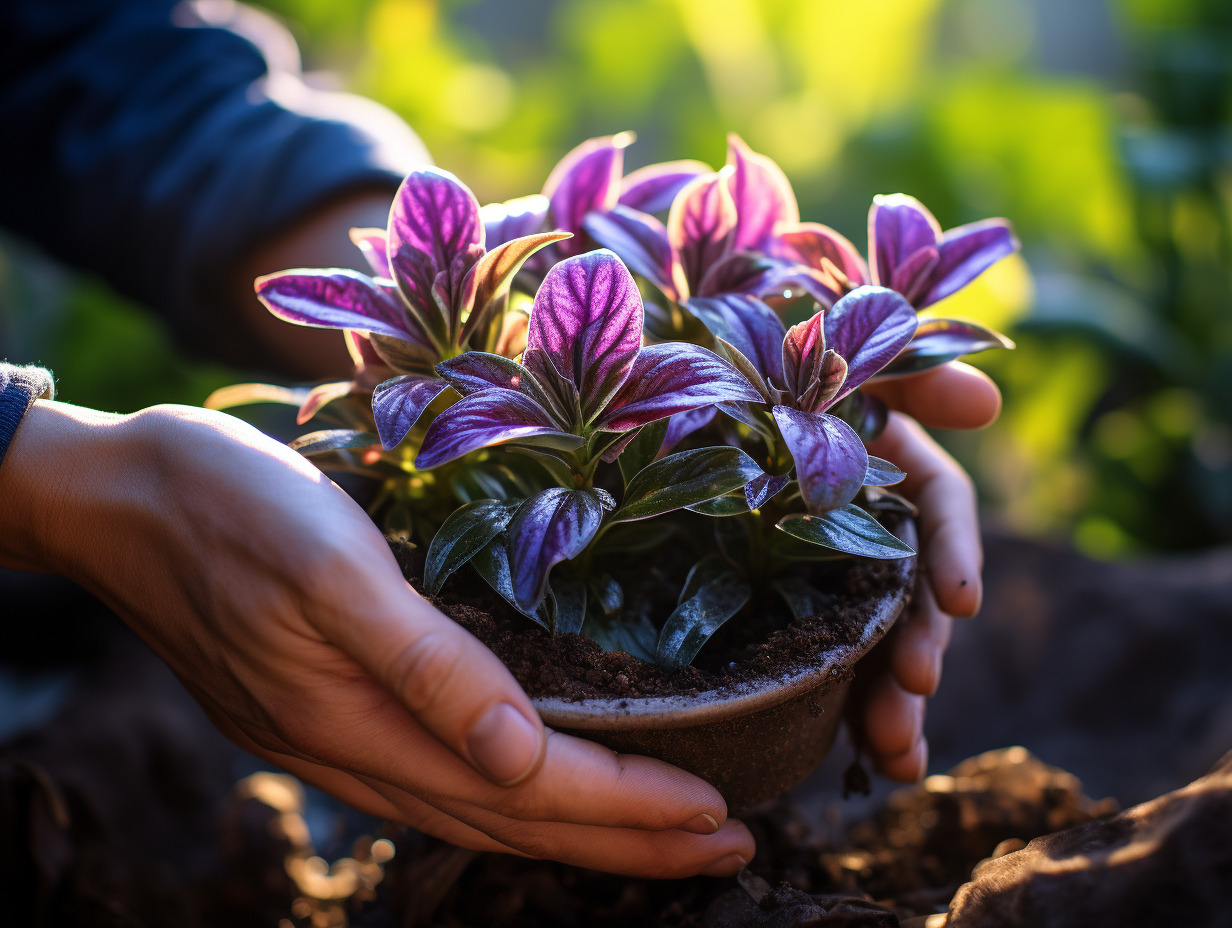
888 712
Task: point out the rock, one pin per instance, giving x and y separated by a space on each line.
1164 862
925 841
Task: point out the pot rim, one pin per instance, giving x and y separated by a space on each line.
626 713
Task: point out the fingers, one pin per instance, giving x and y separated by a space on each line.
585 783
579 782
908 767
893 725
444 677
918 642
952 396
951 552
668 853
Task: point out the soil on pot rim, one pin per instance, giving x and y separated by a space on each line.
766 643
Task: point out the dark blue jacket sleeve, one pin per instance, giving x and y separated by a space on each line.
154 147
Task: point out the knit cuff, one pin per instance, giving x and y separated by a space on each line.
19 388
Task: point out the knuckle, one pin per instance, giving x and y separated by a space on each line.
424 671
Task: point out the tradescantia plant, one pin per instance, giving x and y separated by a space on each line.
635 470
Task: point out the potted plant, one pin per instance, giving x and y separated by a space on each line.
638 472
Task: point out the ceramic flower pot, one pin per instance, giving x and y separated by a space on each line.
753 741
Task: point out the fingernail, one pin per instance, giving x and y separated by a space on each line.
703 824
725 866
504 745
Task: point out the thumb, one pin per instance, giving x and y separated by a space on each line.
444 676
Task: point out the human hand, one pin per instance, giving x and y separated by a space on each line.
890 702
278 603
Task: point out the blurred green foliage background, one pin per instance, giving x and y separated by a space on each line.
1102 128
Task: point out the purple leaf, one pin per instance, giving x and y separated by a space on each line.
564 400
762 195
966 253
912 275
747 272
416 276
898 227
830 458
398 403
436 214
549 527
868 327
881 473
939 341
587 321
803 347
760 489
670 378
503 222
641 242
701 226
831 375
683 424
478 370
481 419
654 187
585 180
749 325
371 244
613 451
454 289
836 261
334 299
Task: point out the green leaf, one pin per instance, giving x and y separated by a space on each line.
466 532
802 598
737 359
333 440
558 442
560 471
492 564
849 529
710 604
784 547
607 592
568 606
643 449
635 634
246 394
729 504
685 479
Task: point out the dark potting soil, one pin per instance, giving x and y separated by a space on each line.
762 641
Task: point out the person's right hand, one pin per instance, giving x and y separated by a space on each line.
278 603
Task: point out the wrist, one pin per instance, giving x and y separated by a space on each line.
56 470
